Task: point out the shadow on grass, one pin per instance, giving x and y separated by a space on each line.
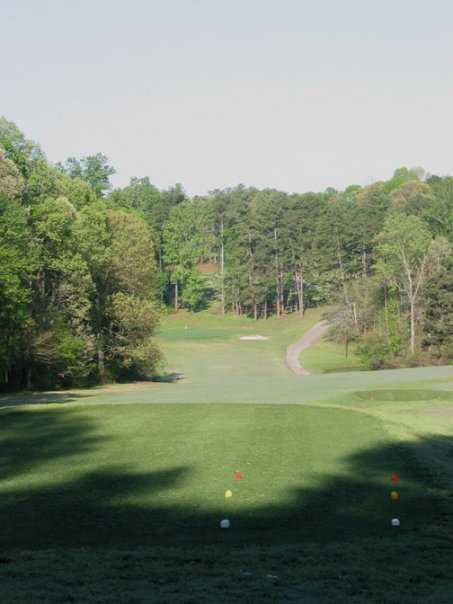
29 439
332 539
168 378
117 507
40 398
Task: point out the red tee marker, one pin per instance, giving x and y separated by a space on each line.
395 477
237 475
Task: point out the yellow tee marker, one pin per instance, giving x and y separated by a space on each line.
394 496
228 494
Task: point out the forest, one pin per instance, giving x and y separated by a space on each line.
87 270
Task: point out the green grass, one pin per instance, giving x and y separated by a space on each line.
112 494
179 471
330 357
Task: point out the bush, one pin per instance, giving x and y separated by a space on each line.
376 351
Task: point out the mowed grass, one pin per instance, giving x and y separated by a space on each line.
137 475
115 495
130 496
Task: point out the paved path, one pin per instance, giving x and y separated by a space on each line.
312 336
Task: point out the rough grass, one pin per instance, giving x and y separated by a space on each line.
104 497
330 357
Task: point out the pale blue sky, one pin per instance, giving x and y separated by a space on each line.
298 95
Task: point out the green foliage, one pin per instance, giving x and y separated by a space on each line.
64 260
439 214
69 248
196 293
142 197
133 322
412 197
438 315
94 169
14 293
17 148
187 237
118 252
401 176
11 181
376 351
402 249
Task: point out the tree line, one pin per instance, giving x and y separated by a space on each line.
85 271
76 277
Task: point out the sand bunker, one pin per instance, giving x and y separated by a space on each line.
253 338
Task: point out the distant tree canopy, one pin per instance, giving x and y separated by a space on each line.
85 271
93 169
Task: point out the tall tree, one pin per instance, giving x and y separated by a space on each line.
407 254
17 148
438 308
187 238
94 169
119 254
439 214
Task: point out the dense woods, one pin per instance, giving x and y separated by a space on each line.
76 276
85 271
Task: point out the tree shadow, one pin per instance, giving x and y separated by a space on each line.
168 378
29 439
114 506
41 398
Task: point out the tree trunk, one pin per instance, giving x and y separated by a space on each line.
301 299
342 273
354 314
101 362
265 309
386 315
176 297
222 265
277 280
159 253
299 281
412 326
364 264
255 311
28 374
282 300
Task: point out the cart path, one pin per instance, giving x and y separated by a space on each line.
312 336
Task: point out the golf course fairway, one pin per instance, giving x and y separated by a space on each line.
125 485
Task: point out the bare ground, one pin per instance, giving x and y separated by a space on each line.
312 336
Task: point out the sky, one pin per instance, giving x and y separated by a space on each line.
291 94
